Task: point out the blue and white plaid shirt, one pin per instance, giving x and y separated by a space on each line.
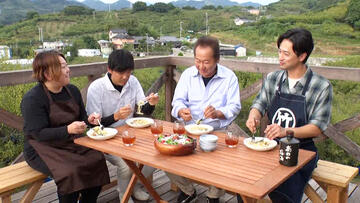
318 96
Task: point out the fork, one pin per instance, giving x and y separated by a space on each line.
146 101
101 126
199 120
253 140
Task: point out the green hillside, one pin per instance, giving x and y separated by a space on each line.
333 34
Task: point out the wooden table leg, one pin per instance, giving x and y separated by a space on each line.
142 178
336 194
248 199
125 198
31 191
6 197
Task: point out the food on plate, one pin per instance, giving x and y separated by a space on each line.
174 139
98 132
198 128
140 104
260 144
140 122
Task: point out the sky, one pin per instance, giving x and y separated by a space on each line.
263 2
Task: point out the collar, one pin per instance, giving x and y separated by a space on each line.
220 73
303 80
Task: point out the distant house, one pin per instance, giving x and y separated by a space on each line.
240 21
240 50
89 52
57 45
254 11
149 41
114 32
5 52
232 50
120 40
165 40
105 48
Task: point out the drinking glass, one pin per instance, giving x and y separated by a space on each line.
179 127
128 138
231 140
156 128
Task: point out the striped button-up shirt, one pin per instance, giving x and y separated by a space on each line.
318 96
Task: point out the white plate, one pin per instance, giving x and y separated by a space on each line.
143 122
257 146
109 133
198 129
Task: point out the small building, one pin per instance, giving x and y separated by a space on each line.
105 48
150 41
254 11
240 50
120 40
114 32
57 45
5 52
165 40
89 52
240 21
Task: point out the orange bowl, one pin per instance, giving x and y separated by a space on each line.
175 150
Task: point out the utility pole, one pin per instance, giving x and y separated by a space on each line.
180 28
206 25
147 45
40 34
160 31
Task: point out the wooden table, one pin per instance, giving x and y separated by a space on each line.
240 170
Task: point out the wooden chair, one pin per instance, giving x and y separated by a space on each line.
334 178
18 175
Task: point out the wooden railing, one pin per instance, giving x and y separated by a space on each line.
171 76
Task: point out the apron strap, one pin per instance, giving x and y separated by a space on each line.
280 83
307 82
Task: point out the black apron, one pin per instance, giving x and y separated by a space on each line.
72 166
289 110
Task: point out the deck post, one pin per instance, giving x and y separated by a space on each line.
169 90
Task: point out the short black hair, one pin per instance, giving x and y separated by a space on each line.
121 60
211 42
302 41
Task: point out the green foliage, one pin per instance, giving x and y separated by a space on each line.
161 7
188 8
31 15
90 42
77 10
353 14
139 6
208 7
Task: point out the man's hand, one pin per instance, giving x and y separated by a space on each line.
274 130
76 127
153 99
252 124
253 120
211 112
93 118
123 113
185 114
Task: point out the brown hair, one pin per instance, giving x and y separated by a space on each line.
211 42
47 62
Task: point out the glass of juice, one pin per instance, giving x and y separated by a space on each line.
156 128
179 127
128 138
231 140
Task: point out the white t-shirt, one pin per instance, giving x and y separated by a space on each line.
292 83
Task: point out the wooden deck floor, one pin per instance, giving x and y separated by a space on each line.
161 184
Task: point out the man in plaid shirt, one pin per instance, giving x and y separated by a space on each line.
294 98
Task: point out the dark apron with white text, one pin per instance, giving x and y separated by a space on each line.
73 167
288 111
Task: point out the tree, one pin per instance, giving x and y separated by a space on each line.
208 7
31 15
353 13
90 42
139 6
161 7
77 10
188 8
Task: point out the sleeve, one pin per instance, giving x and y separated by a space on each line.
261 101
180 98
148 109
36 120
321 115
233 105
93 99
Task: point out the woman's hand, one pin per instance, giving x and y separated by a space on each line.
93 118
76 127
